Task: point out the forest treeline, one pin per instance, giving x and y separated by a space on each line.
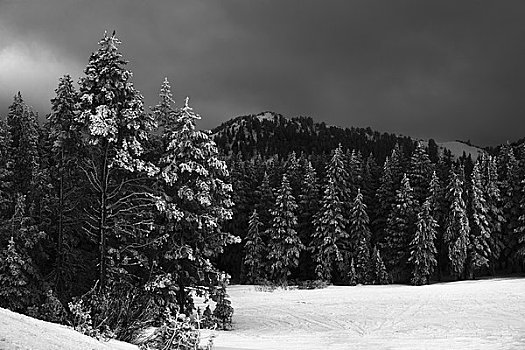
111 214
373 209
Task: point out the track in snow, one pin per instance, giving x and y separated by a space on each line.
482 314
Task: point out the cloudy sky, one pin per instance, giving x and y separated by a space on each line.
431 69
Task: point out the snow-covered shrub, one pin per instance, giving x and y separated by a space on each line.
178 332
223 310
312 284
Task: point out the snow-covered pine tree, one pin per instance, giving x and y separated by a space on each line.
65 151
20 277
519 231
351 275
194 203
492 194
308 207
254 250
380 275
437 207
23 129
293 173
358 224
399 231
478 249
330 236
114 129
422 249
355 171
265 201
284 246
363 265
419 173
456 226
336 171
386 193
5 172
509 185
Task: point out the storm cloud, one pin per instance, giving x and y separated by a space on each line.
442 69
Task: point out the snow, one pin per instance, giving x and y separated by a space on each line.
265 116
22 332
481 314
457 149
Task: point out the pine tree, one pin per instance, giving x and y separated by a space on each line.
456 226
519 231
437 206
422 249
65 151
266 200
5 172
489 179
194 202
308 207
419 173
254 249
363 266
330 236
509 185
284 246
479 239
380 275
20 277
386 193
358 228
114 129
400 230
355 171
23 129
336 171
351 275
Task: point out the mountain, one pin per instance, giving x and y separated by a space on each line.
269 133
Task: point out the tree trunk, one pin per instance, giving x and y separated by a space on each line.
102 224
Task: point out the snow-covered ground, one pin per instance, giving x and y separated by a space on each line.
19 332
482 314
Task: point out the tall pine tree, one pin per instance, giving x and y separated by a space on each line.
456 226
285 245
422 249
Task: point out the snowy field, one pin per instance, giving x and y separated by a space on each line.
485 314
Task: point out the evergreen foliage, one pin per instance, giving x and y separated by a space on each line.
456 226
380 274
194 202
330 236
422 249
479 239
254 249
400 230
284 246
420 170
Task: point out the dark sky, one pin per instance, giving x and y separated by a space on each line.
431 69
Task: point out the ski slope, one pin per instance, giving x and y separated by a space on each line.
482 314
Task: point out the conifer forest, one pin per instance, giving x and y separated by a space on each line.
116 216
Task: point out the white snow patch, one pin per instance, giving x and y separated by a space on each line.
265 116
23 332
482 314
457 149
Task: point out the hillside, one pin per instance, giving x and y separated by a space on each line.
20 332
269 133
